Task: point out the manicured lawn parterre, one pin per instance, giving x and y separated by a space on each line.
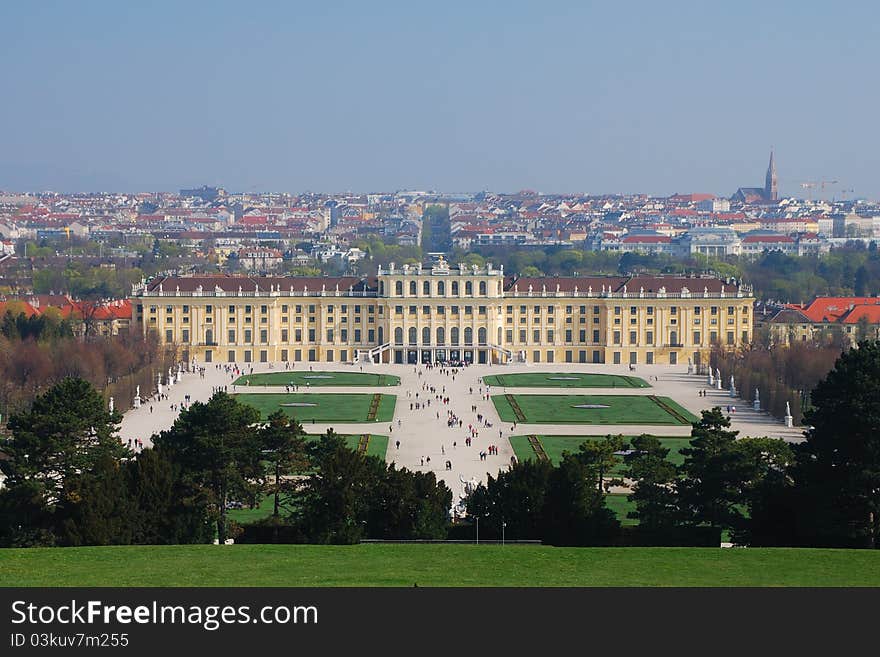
304 378
564 380
555 445
591 409
323 407
434 565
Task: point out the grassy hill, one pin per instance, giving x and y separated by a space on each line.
434 565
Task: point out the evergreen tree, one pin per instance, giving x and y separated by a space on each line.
170 510
600 457
653 488
25 519
217 446
839 464
408 505
97 507
574 508
66 431
283 445
516 497
710 491
334 504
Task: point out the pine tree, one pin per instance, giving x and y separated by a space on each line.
66 432
839 464
283 445
710 491
217 446
653 488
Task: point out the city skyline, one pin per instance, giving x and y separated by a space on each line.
562 98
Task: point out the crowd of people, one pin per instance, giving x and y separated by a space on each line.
429 391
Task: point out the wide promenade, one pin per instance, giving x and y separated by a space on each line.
426 440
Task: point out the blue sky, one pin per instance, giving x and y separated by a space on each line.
458 96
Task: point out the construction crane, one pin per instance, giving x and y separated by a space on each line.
812 184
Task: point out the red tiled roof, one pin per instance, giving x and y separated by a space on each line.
831 309
17 305
870 313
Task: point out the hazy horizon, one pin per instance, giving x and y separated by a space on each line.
556 97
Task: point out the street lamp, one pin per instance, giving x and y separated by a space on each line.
503 525
478 530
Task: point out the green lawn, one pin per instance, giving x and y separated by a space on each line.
328 407
245 516
434 565
305 378
621 505
609 409
564 380
555 445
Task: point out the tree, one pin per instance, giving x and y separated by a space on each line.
600 458
710 491
283 443
97 507
516 497
653 488
218 449
840 460
408 505
25 519
574 508
66 431
335 501
170 510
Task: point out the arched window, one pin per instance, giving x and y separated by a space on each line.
673 337
398 288
412 288
209 336
382 335
398 336
500 333
481 336
455 288
441 336
426 288
469 336
413 335
453 336
483 288
499 288
426 336
469 289
441 288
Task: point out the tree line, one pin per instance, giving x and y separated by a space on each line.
849 270
70 481
824 491
780 373
37 352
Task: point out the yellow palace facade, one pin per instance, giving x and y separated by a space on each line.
415 314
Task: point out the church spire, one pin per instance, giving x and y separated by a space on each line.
771 185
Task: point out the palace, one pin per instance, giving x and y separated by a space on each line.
439 313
